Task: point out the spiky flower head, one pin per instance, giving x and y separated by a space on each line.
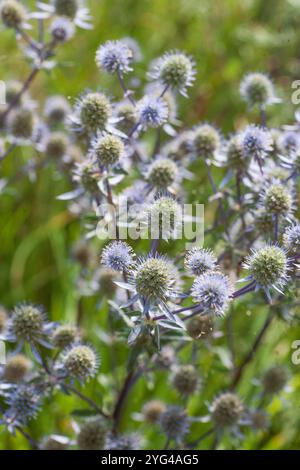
106 278
234 154
27 322
62 29
291 238
129 441
153 410
80 362
64 336
227 410
24 403
13 14
274 380
268 266
162 173
174 423
107 149
56 109
66 8
154 278
16 368
85 174
94 110
257 89
92 434
118 256
3 319
185 379
200 260
114 56
21 123
200 326
277 199
164 217
289 142
212 290
174 70
56 145
165 358
205 140
263 220
54 442
152 111
13 88
256 142
126 113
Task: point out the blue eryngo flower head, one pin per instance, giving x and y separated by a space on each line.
256 142
162 173
92 434
86 175
93 112
24 404
257 90
289 142
200 326
174 70
28 324
152 111
175 423
277 199
268 267
75 10
200 260
205 141
274 380
227 410
65 335
125 111
21 124
114 56
131 441
152 411
13 14
56 145
16 368
291 238
185 379
80 362
164 217
235 156
62 29
212 290
107 149
56 109
118 256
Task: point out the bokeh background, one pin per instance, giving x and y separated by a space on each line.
37 233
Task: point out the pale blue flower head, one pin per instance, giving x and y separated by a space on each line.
256 142
152 111
114 56
118 256
212 290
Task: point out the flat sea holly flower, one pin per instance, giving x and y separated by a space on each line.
277 199
114 57
257 90
152 111
14 15
118 256
256 143
107 149
174 70
62 29
24 403
197 261
205 141
79 362
175 423
212 290
163 174
228 413
268 267
56 109
289 143
74 10
291 238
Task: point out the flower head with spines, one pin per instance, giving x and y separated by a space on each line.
212 290
114 56
174 70
62 29
226 410
200 260
107 149
74 10
277 199
175 423
92 113
291 238
24 403
152 111
92 434
256 143
205 141
118 255
257 90
79 361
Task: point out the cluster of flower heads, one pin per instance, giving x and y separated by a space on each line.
100 142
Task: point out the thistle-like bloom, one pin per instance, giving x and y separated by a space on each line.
205 141
74 10
185 379
212 290
114 56
152 111
56 109
62 29
226 410
93 112
175 423
16 368
277 199
13 13
268 267
24 404
56 145
174 70
256 142
200 260
235 156
289 143
107 149
92 434
28 324
153 410
274 380
65 335
257 90
291 238
80 362
124 442
162 173
200 326
21 124
164 218
118 256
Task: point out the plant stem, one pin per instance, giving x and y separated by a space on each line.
88 400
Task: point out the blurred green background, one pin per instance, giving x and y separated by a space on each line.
227 40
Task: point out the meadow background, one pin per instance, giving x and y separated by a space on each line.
37 233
